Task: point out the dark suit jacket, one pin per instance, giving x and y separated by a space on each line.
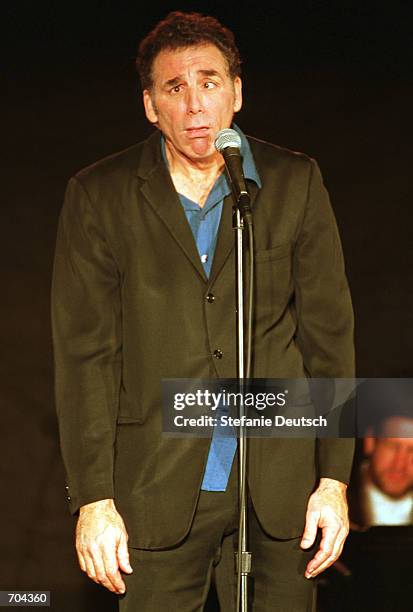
130 308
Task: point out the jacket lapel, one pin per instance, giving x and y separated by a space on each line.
159 191
226 234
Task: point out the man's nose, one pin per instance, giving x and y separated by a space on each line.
194 101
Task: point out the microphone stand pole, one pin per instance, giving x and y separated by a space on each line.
243 557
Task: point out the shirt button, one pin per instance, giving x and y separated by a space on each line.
218 354
210 298
204 257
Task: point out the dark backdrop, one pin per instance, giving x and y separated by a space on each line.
330 79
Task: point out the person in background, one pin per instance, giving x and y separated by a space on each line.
382 493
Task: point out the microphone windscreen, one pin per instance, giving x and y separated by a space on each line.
227 138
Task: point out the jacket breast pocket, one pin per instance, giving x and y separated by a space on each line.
273 280
277 252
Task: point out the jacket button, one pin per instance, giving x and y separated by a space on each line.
67 487
218 354
210 298
68 498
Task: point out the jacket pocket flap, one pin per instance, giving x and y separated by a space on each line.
277 252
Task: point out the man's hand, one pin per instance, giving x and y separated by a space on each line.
327 510
101 544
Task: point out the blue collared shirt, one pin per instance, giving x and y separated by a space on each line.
204 221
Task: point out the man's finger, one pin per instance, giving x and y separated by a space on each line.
81 560
111 569
100 570
329 561
90 567
123 555
324 552
338 547
310 531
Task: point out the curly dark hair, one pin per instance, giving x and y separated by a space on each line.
181 30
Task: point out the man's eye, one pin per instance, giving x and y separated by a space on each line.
176 89
209 85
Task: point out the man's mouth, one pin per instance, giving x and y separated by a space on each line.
197 132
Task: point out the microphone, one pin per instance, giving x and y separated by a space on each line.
228 143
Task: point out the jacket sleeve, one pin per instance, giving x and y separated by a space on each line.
86 322
324 312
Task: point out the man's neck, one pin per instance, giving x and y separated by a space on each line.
193 179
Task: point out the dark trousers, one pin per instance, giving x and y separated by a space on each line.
179 578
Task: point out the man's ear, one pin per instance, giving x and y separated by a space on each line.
369 442
237 94
150 109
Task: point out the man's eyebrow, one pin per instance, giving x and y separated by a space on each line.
210 72
173 82
179 78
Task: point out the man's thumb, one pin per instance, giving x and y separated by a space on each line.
310 531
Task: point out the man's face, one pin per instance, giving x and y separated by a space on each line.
192 98
391 462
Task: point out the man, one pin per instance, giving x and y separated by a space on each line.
389 474
381 492
143 290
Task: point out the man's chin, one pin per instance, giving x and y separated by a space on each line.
395 492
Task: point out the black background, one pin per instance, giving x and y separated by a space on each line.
331 79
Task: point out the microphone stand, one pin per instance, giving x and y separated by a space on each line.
243 557
228 142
